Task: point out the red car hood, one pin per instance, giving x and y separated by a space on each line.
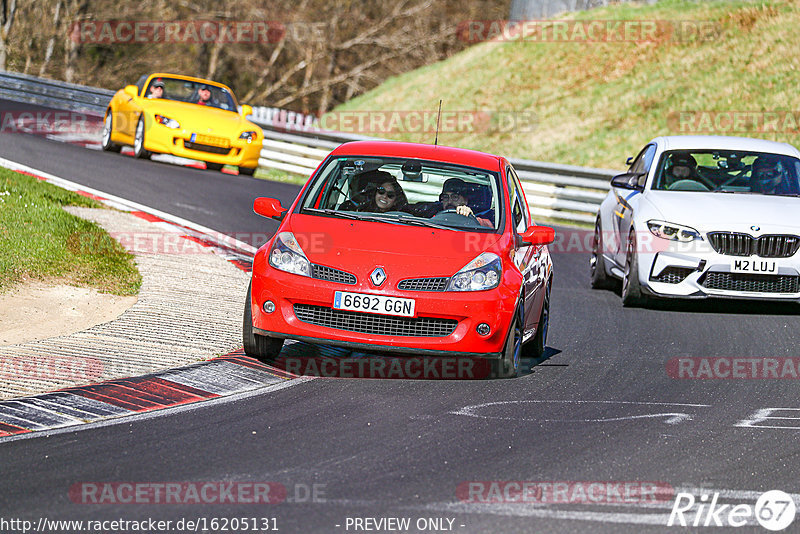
404 251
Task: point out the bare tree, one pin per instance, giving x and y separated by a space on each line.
76 10
330 52
9 9
51 43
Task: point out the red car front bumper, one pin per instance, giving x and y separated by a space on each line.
303 311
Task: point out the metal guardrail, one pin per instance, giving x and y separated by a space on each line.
293 143
51 93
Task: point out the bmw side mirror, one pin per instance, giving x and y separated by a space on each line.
269 207
629 160
537 235
629 180
131 90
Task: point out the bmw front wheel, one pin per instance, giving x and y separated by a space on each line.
631 287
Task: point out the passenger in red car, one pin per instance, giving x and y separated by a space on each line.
378 191
384 194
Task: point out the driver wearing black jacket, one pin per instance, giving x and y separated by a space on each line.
455 195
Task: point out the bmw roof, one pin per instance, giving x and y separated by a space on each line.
689 142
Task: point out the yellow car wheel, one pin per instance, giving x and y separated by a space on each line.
108 144
138 141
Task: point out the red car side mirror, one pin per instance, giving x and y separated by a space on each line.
269 207
538 235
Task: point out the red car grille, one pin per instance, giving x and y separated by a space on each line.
424 284
368 323
330 274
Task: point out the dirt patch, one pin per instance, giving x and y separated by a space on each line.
36 310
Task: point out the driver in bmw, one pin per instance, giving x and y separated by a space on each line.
767 176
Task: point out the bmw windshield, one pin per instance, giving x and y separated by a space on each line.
727 171
407 191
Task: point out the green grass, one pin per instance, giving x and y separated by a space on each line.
275 175
41 241
594 104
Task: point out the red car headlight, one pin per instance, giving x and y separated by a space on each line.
484 272
286 255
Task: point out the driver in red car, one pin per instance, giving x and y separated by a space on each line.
455 195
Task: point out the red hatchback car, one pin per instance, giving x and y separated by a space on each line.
408 248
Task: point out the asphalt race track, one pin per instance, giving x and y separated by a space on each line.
603 407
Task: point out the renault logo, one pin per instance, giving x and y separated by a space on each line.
378 276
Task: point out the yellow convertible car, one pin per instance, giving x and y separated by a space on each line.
184 116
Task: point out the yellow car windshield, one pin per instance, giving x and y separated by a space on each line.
203 94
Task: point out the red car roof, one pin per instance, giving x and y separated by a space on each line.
446 154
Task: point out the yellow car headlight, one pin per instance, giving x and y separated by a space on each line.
166 121
248 136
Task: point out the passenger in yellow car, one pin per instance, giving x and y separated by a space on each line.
204 96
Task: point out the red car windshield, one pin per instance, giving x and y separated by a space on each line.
407 191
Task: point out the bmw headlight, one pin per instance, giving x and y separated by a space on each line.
248 136
481 273
166 121
674 232
287 255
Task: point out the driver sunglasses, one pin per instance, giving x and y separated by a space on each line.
767 173
449 196
383 191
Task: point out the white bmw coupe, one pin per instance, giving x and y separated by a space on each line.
702 216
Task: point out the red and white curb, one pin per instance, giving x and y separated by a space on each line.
228 375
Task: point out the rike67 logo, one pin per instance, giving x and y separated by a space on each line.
774 510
